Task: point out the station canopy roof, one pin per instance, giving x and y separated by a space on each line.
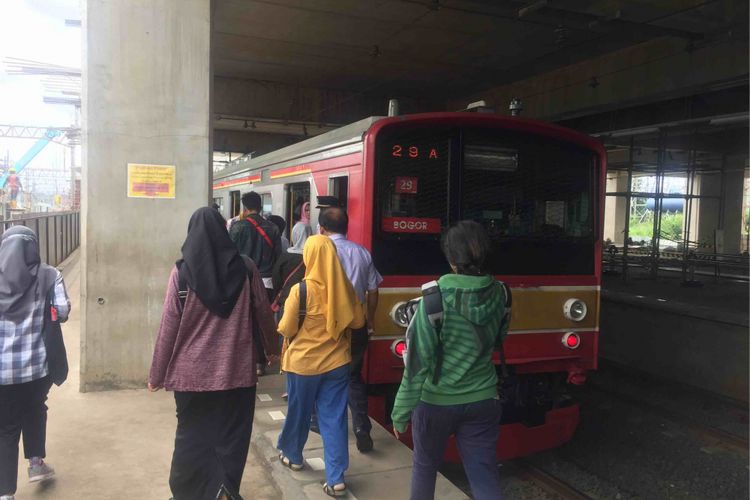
440 47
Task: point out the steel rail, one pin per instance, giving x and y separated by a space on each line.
729 440
548 482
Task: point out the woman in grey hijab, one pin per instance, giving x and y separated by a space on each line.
33 301
301 230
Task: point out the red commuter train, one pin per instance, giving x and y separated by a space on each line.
537 188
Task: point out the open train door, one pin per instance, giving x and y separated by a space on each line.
297 193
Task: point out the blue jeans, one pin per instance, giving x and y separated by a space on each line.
476 427
329 393
357 387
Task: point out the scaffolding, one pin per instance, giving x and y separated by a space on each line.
665 157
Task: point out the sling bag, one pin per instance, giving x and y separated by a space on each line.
300 315
275 307
260 231
57 358
302 303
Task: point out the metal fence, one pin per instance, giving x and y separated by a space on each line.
59 233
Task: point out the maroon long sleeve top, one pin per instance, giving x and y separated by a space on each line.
197 350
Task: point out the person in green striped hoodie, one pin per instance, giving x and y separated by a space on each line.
449 385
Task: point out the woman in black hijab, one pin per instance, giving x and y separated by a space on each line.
210 264
32 298
205 353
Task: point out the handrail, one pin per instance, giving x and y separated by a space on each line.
59 233
39 215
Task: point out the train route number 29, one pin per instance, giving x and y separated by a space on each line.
406 185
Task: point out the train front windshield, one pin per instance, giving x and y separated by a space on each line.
535 196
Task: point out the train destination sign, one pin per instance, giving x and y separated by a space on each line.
411 225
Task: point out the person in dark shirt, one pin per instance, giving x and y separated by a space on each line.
259 239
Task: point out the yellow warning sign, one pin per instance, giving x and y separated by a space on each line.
150 181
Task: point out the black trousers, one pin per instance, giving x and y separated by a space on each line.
357 387
476 427
23 412
211 443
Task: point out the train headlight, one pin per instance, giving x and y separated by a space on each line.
402 312
398 314
575 309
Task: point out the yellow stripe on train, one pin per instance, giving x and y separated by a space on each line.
533 309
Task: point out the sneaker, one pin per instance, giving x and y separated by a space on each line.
41 472
364 442
7 497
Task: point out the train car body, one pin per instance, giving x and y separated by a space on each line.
537 188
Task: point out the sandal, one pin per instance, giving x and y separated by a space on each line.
288 463
337 490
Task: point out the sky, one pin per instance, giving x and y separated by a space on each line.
35 29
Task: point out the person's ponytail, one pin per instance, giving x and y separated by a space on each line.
466 247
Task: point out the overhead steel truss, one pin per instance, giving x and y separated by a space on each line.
69 134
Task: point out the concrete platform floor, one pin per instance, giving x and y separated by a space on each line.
118 444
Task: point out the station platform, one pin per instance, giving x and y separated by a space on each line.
691 335
118 444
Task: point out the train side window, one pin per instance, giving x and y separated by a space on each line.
234 203
339 187
267 204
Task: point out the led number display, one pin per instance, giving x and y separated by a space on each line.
414 152
406 185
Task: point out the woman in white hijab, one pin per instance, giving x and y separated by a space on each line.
33 302
302 230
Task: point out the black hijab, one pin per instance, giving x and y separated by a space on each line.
19 269
210 263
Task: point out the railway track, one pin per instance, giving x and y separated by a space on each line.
724 438
553 485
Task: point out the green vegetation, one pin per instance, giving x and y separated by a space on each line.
671 226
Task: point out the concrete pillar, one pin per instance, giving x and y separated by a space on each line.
146 90
733 192
615 217
707 212
709 220
693 222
